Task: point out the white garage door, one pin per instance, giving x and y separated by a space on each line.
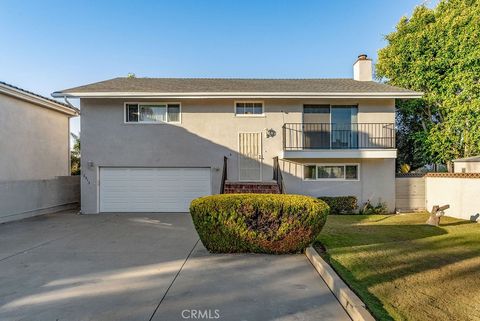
151 189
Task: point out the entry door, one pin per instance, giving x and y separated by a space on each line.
250 156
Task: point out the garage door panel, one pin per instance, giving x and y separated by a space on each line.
151 189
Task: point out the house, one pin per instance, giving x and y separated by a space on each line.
467 165
34 155
35 134
154 144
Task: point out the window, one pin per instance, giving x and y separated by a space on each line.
248 108
152 113
316 109
348 172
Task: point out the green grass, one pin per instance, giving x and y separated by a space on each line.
406 270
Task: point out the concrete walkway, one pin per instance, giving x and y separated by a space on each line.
146 267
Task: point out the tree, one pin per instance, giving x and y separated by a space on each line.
436 51
75 155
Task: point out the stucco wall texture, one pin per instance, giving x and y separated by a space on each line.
466 167
33 141
27 198
461 193
208 132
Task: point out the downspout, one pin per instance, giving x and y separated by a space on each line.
69 152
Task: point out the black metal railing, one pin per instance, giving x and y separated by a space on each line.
224 175
277 175
300 136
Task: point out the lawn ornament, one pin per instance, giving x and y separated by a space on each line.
436 213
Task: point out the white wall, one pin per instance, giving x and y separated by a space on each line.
33 141
466 167
376 182
27 198
459 191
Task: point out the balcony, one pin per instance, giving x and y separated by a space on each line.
330 140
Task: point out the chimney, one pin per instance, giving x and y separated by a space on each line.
362 68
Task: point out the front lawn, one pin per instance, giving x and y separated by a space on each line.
406 270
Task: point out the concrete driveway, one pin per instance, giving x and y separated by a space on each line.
146 267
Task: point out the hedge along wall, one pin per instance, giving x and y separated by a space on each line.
459 190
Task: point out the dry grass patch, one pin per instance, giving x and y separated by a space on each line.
404 269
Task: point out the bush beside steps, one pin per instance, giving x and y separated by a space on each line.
258 223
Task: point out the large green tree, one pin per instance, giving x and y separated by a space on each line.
436 51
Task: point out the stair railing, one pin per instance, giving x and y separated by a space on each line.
224 175
277 175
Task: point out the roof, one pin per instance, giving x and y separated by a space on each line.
37 99
235 87
468 159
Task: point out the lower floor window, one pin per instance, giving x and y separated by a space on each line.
331 171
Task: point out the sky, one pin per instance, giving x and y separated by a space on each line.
46 46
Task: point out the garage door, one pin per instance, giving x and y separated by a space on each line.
151 189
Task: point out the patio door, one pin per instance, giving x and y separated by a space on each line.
344 126
250 156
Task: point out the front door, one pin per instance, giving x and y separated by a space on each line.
250 156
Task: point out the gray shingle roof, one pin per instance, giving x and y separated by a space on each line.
226 85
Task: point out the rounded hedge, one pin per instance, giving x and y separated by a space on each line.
259 223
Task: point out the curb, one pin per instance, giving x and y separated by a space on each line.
350 301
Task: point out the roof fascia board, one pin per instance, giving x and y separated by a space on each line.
199 95
36 100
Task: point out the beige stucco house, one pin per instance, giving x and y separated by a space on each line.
34 133
467 165
154 144
34 155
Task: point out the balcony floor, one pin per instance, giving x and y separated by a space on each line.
338 153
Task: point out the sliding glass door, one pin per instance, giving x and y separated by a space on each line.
344 133
327 127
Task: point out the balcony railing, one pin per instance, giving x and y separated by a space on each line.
300 136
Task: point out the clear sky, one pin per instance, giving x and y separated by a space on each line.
52 45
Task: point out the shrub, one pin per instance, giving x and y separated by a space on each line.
259 223
369 209
341 204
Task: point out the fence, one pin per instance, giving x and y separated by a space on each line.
21 199
459 190
410 193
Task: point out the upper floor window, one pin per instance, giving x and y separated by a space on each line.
248 108
152 113
316 109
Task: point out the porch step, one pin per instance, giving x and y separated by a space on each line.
251 187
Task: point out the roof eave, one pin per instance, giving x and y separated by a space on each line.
7 90
204 95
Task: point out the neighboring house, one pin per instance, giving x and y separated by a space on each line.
35 135
154 144
34 155
467 165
